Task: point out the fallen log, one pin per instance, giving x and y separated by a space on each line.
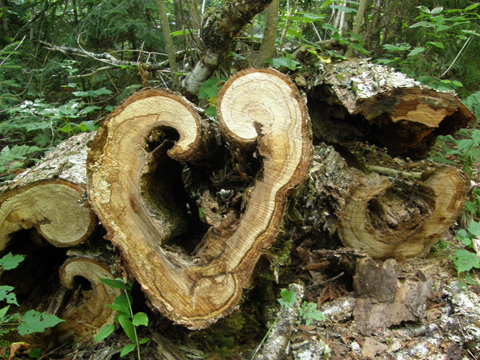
48 197
137 192
357 101
387 217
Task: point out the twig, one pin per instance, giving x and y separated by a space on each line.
16 47
393 172
456 58
92 73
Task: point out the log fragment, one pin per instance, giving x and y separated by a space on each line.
87 317
386 217
136 190
359 101
48 197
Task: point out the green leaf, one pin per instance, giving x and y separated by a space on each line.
35 353
437 10
424 9
9 261
471 7
437 44
416 51
127 326
420 24
140 318
104 332
474 228
3 312
180 32
7 295
345 9
115 283
92 93
127 349
211 111
144 341
330 27
465 260
457 83
121 304
287 298
360 49
34 321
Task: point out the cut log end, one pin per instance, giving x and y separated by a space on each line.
49 197
87 317
402 225
136 191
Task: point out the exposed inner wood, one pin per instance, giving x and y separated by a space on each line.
258 109
359 101
388 223
87 317
48 197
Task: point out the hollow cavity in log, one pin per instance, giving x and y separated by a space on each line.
258 109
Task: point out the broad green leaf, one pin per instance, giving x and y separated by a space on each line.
471 7
437 44
457 83
140 318
127 349
89 109
35 353
474 228
330 27
88 126
34 321
3 312
104 332
424 9
437 10
121 304
416 51
443 28
421 24
294 33
465 260
127 326
397 47
345 9
92 93
287 298
360 49
180 32
115 283
9 261
7 295
143 341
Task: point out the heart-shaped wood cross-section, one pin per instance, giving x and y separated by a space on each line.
134 189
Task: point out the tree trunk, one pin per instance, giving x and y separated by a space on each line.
217 35
48 197
269 35
359 101
137 190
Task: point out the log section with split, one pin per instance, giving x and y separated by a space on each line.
135 186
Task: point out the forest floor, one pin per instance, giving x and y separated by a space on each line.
442 323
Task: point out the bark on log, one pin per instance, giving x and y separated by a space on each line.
86 318
48 197
261 109
399 219
358 101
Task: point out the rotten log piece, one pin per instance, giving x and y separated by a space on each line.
48 197
135 189
358 101
397 218
88 316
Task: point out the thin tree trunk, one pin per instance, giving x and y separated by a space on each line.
168 40
358 23
269 35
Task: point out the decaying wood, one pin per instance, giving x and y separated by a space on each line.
87 317
358 101
48 197
131 190
397 218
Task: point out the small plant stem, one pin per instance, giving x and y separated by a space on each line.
266 335
134 327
